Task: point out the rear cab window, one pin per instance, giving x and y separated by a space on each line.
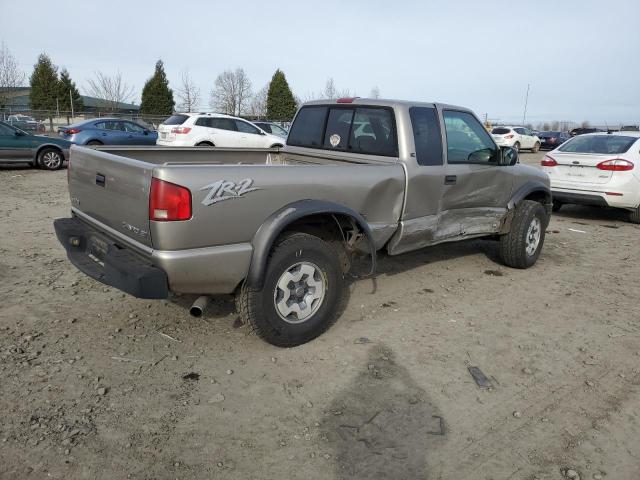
500 131
350 128
599 144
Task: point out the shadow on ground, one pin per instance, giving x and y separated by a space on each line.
383 424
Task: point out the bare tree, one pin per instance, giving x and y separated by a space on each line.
585 124
112 90
188 94
232 92
375 92
555 125
258 106
10 75
330 91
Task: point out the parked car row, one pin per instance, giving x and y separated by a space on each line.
25 122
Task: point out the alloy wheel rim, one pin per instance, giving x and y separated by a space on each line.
299 292
533 236
51 160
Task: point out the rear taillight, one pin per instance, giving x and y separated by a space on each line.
168 202
180 130
509 136
72 131
616 165
548 161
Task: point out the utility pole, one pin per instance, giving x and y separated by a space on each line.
71 99
526 100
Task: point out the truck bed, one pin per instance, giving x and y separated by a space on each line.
111 185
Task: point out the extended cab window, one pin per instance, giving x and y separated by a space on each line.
426 135
467 139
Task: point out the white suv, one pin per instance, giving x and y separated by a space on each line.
516 137
215 130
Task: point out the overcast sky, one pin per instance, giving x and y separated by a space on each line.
580 57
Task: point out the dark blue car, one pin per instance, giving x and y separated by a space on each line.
108 131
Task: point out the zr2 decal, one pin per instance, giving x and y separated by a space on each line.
225 190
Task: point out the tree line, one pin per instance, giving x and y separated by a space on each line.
232 92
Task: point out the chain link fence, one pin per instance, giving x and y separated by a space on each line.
48 121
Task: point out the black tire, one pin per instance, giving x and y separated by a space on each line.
94 142
50 159
513 245
535 148
557 205
516 146
258 307
634 216
204 144
276 145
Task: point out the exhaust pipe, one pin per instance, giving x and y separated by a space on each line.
197 309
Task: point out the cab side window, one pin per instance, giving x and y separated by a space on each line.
467 140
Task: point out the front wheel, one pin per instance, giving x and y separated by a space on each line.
536 147
50 159
520 248
301 294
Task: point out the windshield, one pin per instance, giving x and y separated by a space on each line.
599 144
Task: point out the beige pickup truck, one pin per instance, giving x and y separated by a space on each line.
279 227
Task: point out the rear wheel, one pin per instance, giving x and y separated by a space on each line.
520 248
516 146
302 291
557 205
634 215
536 147
204 144
94 142
277 145
50 159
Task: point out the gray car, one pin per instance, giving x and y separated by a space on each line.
108 131
280 228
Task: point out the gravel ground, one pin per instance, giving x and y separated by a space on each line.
95 384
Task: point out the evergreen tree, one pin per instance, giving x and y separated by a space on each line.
44 87
157 97
67 91
281 105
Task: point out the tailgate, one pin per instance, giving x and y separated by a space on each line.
113 190
578 168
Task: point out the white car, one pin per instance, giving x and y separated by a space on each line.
597 169
520 138
213 130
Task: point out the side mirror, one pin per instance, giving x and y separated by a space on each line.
18 133
509 156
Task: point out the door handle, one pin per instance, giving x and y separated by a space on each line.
100 180
450 179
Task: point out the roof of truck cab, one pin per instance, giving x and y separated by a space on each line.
383 102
